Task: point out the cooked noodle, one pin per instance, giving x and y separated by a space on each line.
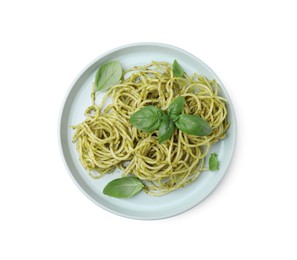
106 140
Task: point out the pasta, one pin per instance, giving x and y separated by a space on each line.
106 140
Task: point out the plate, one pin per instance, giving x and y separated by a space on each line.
141 206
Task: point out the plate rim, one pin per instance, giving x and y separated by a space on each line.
137 44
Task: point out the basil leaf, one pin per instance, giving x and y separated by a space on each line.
125 187
177 69
193 125
166 129
147 119
108 75
213 163
176 107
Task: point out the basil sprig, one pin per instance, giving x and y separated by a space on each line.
177 69
213 163
125 187
150 118
108 75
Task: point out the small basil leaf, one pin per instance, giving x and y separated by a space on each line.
125 187
213 163
193 125
166 129
147 119
176 107
108 75
177 69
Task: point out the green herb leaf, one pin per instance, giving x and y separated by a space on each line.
108 75
125 187
147 119
176 107
193 125
177 69
213 163
166 129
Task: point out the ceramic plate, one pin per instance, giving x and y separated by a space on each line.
142 206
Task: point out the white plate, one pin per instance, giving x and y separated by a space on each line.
142 206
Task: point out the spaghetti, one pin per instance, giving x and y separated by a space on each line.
106 140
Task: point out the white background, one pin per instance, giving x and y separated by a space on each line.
252 47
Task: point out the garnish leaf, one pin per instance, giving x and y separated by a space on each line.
193 125
108 75
125 187
166 129
176 107
213 163
177 69
147 119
